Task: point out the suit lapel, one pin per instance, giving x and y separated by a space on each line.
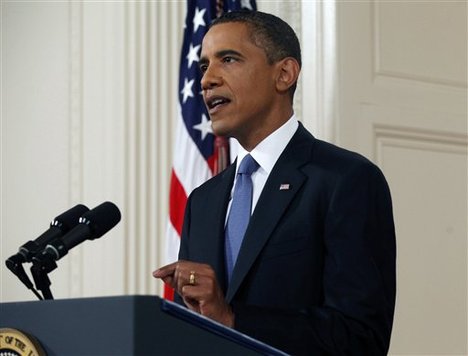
280 189
216 217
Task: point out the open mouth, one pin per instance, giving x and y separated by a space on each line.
215 102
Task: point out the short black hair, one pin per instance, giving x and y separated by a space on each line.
268 32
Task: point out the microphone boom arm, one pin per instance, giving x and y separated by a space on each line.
40 270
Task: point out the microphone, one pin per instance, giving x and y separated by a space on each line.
58 227
91 225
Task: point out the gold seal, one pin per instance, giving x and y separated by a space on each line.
15 342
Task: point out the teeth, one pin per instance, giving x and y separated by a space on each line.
217 101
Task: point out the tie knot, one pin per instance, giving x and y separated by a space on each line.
248 165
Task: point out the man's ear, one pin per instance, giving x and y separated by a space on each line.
288 71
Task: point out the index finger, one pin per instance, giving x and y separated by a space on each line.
165 271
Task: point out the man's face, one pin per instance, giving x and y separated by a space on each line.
238 83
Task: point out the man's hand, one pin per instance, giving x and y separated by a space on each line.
196 284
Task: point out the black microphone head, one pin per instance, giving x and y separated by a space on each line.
101 219
58 227
69 219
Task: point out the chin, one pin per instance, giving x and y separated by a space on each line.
219 129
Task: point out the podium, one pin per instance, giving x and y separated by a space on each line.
125 325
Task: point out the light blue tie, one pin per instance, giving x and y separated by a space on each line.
239 215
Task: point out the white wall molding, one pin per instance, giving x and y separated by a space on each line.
421 135
440 12
153 34
417 139
75 260
320 66
381 122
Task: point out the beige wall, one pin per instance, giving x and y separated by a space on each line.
403 103
89 96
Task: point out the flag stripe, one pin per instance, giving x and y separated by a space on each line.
177 202
168 292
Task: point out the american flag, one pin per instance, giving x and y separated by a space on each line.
197 153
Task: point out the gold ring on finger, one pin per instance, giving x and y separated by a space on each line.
192 278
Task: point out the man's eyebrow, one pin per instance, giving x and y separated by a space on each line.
227 52
221 54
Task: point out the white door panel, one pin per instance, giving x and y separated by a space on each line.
402 103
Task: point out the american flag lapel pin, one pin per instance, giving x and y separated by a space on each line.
284 186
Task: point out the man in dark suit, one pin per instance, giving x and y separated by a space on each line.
314 269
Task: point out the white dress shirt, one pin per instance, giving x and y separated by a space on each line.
266 153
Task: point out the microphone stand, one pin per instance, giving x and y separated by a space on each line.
42 266
14 264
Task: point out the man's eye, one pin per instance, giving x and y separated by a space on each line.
229 59
203 68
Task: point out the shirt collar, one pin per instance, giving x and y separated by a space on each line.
267 152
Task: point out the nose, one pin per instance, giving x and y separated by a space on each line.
211 78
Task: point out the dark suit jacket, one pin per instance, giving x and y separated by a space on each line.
316 271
